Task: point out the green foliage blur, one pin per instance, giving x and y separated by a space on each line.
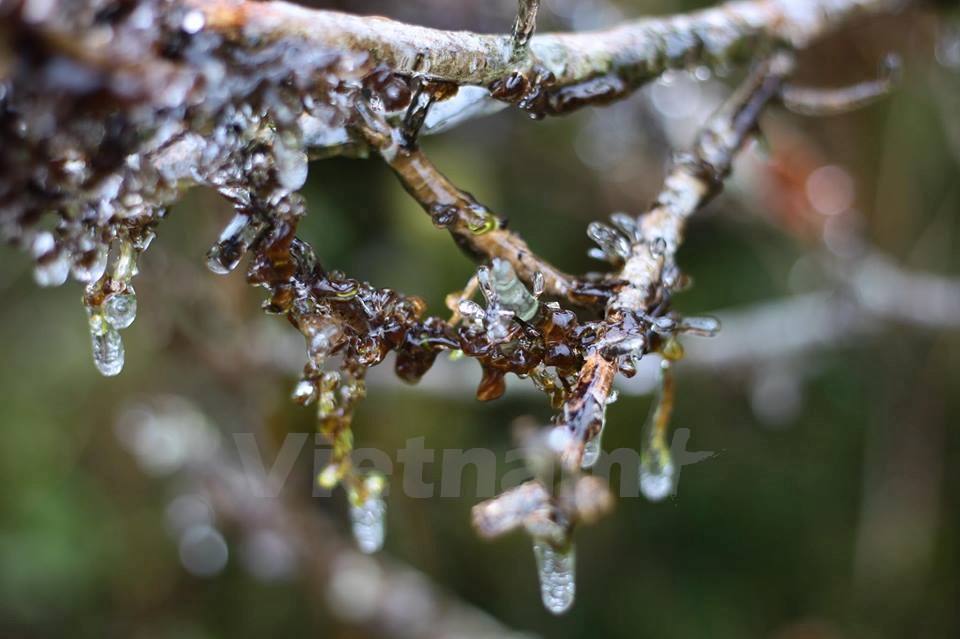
836 518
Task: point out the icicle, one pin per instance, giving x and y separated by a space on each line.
497 318
484 281
116 303
368 513
656 462
513 295
107 344
224 256
556 568
305 392
656 470
593 446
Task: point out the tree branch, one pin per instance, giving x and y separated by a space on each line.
649 272
626 56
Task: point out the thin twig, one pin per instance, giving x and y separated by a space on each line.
695 178
817 102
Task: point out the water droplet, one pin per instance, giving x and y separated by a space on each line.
672 350
368 515
481 224
120 309
107 345
556 569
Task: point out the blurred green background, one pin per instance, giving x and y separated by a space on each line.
831 510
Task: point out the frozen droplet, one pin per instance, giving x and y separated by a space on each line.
615 246
469 102
627 224
125 266
705 326
120 309
539 284
498 323
52 272
107 345
664 325
629 345
556 568
470 310
93 269
291 166
224 256
305 392
329 476
193 22
596 254
656 470
511 292
321 340
368 515
485 282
